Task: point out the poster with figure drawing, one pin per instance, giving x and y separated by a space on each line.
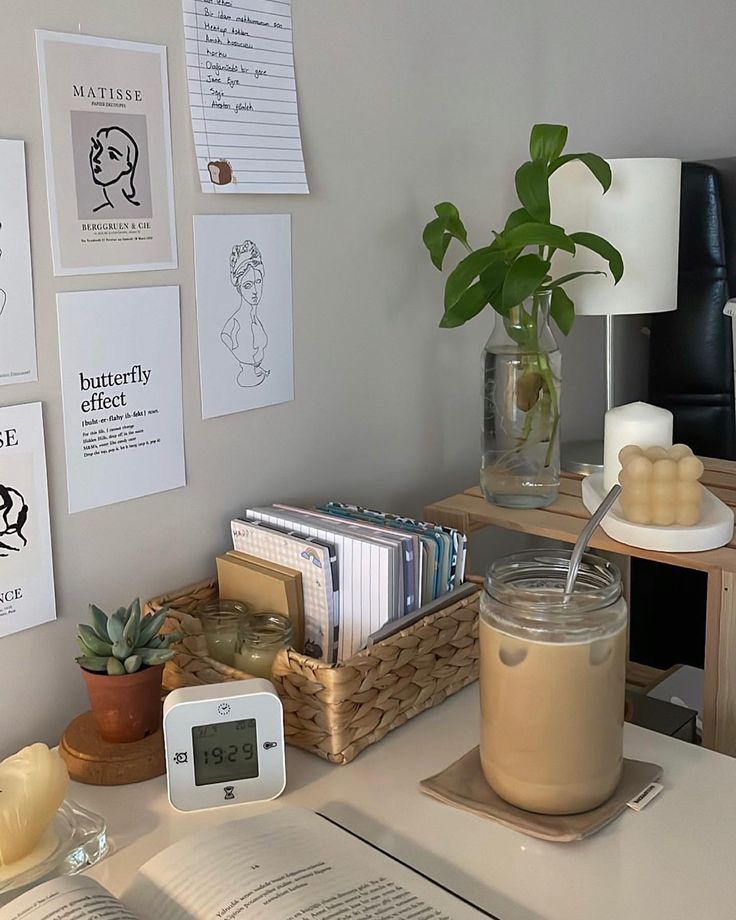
244 312
17 329
107 138
26 567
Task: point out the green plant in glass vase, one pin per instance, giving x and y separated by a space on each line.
521 362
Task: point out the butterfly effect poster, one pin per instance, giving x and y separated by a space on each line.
27 582
107 139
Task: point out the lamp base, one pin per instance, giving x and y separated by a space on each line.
582 457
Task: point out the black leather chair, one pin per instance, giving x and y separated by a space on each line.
691 373
691 368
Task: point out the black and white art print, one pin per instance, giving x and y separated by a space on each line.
17 328
244 311
107 139
26 567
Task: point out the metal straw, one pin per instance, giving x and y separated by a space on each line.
587 532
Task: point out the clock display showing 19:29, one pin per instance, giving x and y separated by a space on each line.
225 752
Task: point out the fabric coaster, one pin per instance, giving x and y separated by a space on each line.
463 785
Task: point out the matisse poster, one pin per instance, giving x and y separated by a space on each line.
121 389
107 140
27 582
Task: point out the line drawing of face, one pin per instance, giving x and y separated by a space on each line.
113 158
244 334
250 285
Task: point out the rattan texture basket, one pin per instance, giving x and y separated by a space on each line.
336 711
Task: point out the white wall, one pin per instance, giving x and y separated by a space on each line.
403 103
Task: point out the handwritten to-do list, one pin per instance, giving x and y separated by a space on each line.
242 92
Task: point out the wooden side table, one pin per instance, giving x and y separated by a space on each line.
565 519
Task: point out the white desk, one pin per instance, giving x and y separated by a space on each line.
675 860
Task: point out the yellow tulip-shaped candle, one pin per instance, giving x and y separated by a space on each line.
33 784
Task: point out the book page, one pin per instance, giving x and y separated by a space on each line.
67 898
284 865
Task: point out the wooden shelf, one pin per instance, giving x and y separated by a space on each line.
563 520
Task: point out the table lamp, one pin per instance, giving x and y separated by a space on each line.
640 216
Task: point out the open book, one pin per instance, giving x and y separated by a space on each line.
281 865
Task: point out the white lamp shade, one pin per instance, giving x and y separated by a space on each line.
639 215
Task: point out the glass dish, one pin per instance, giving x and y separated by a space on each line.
76 840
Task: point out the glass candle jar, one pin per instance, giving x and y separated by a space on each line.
261 636
220 622
552 674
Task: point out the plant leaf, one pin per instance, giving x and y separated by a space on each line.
436 239
92 642
466 271
466 307
132 663
538 235
517 218
116 625
115 667
532 187
547 142
151 625
597 165
447 211
562 310
563 279
522 279
99 622
90 663
131 633
492 280
604 249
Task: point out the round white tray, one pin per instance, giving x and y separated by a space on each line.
715 528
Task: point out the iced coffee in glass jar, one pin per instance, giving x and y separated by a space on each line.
552 681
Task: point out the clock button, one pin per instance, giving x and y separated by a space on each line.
229 793
180 757
267 745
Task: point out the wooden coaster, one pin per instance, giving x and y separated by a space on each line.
99 763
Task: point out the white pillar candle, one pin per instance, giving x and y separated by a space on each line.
33 784
637 423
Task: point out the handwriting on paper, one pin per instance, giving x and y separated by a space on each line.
242 94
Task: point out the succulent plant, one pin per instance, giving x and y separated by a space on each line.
125 641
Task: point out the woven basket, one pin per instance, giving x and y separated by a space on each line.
336 711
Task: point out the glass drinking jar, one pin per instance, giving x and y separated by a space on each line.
220 622
552 674
260 638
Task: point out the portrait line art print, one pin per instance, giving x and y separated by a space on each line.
113 158
13 518
244 334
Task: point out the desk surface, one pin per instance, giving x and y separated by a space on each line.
673 860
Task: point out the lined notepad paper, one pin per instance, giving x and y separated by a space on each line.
242 92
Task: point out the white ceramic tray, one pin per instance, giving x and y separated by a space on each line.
715 528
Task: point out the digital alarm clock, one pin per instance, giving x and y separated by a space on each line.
224 744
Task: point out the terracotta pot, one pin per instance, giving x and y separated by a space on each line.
126 707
